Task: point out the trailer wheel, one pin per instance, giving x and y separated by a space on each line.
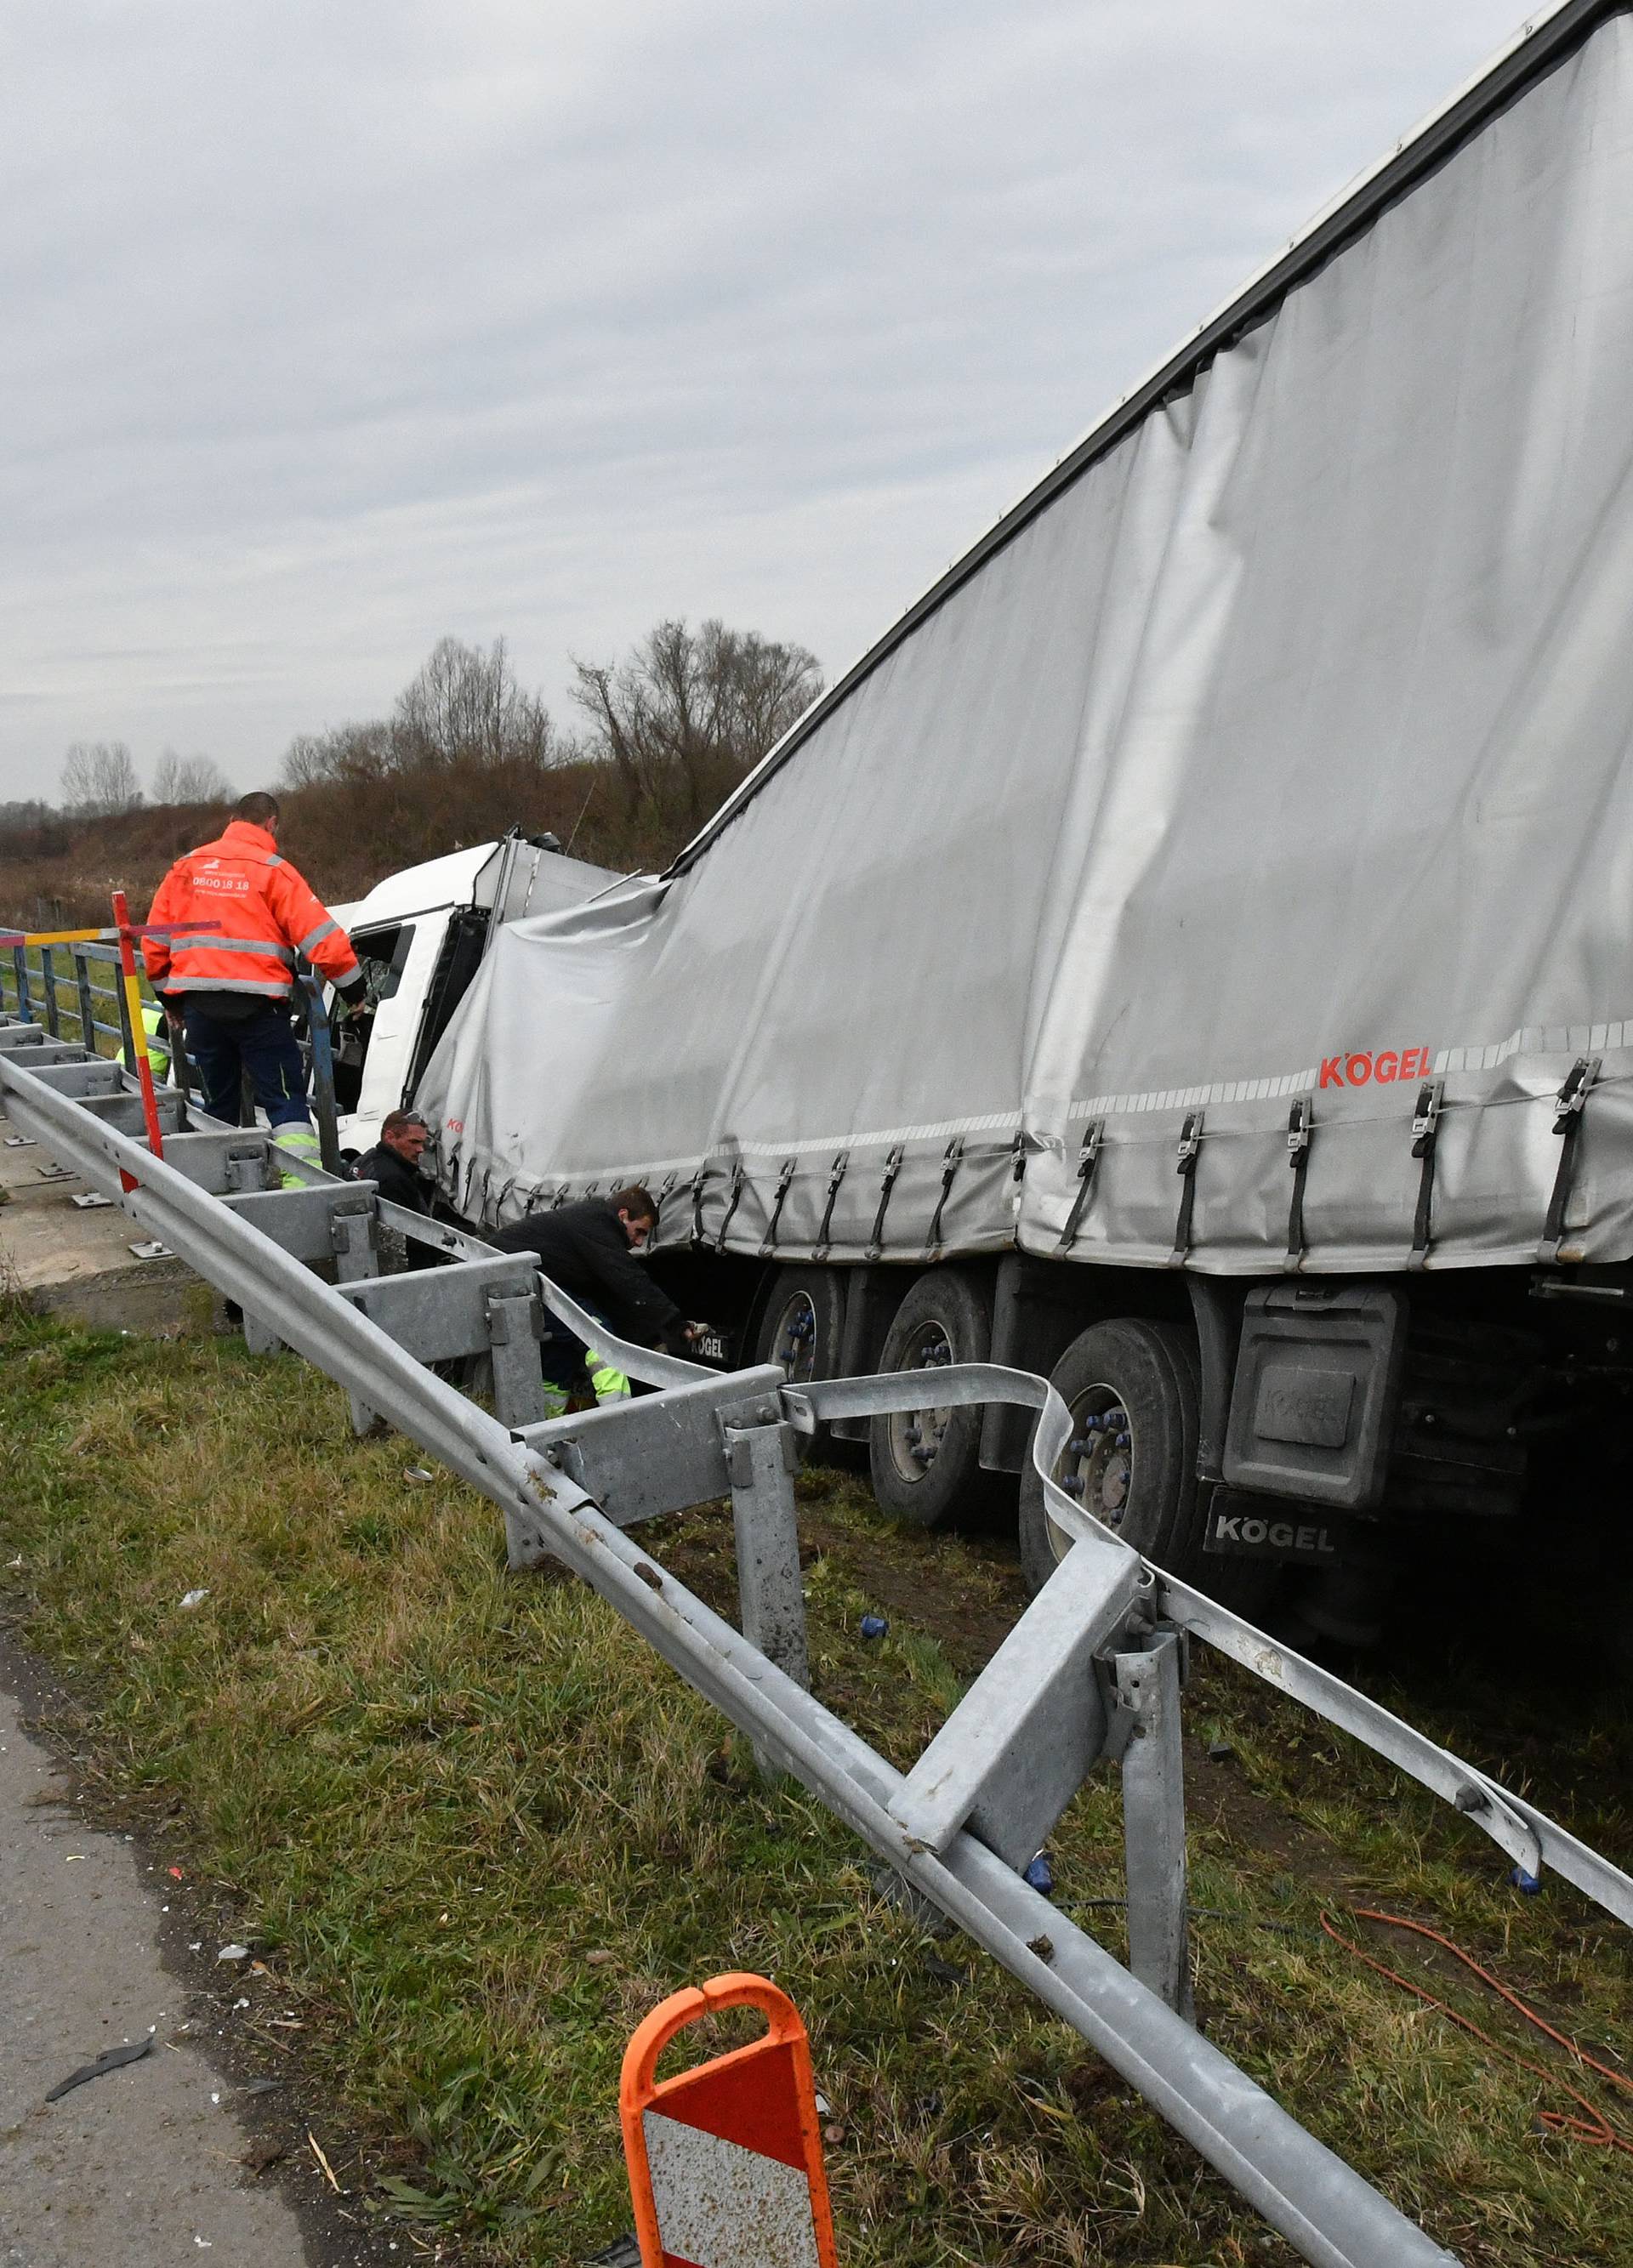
925 1463
802 1323
1131 1387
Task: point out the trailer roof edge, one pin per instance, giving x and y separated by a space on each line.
1545 38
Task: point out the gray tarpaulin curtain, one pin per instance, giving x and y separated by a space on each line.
1283 754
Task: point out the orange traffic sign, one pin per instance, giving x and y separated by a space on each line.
726 2166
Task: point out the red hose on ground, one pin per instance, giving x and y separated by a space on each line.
1595 2127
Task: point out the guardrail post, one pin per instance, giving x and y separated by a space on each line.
47 987
762 1460
515 1325
81 986
322 1072
1148 1688
19 970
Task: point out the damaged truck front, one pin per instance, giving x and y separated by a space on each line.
1189 954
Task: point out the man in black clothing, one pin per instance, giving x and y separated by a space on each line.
394 1161
588 1249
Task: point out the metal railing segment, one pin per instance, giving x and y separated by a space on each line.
1092 1671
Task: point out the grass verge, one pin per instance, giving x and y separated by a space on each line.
478 1829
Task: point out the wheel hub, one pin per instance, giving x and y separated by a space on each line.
794 1344
1097 1467
915 1436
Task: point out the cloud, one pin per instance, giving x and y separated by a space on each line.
330 330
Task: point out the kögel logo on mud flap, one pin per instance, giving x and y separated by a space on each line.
1389 1063
1270 1539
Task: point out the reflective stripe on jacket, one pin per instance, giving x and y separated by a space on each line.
263 914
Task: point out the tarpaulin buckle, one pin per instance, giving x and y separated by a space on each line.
732 1203
698 1181
1189 1151
1088 1160
1300 1120
784 1178
1568 1105
836 1174
892 1166
952 1158
1425 1132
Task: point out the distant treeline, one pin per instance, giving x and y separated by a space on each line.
657 740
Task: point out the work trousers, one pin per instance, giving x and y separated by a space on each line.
567 1363
264 1046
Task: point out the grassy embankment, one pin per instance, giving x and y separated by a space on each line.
478 1830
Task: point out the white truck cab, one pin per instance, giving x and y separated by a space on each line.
419 936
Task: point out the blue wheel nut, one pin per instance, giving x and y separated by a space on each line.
1040 1875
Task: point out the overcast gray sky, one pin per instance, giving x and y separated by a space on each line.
331 328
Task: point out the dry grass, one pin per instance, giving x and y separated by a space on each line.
438 1790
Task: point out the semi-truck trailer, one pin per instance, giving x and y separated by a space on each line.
1189 954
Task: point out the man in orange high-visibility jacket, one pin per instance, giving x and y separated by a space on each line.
233 989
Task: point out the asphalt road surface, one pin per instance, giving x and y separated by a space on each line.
139 2167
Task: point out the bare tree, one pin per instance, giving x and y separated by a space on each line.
464 707
466 703
189 780
690 711
99 780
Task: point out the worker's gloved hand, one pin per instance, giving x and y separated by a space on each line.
695 1331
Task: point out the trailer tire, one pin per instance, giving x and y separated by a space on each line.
946 1318
1140 1478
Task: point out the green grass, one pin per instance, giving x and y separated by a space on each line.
477 1830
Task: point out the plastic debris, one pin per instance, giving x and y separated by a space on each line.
190 1599
1521 1880
623 2252
1040 1875
1221 1752
874 1625
420 1473
110 2060
234 1953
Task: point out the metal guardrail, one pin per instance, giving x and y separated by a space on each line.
36 987
34 979
1093 1670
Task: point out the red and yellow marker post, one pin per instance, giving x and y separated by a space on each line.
726 2165
138 1032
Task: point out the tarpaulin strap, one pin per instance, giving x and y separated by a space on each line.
1190 1145
560 1196
1087 1159
1017 1157
836 1174
1568 1106
698 1181
1425 1128
732 1203
784 1180
892 1166
1298 1127
952 1158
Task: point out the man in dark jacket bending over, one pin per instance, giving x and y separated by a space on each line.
589 1250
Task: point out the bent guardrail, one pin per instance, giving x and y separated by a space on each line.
1091 1671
